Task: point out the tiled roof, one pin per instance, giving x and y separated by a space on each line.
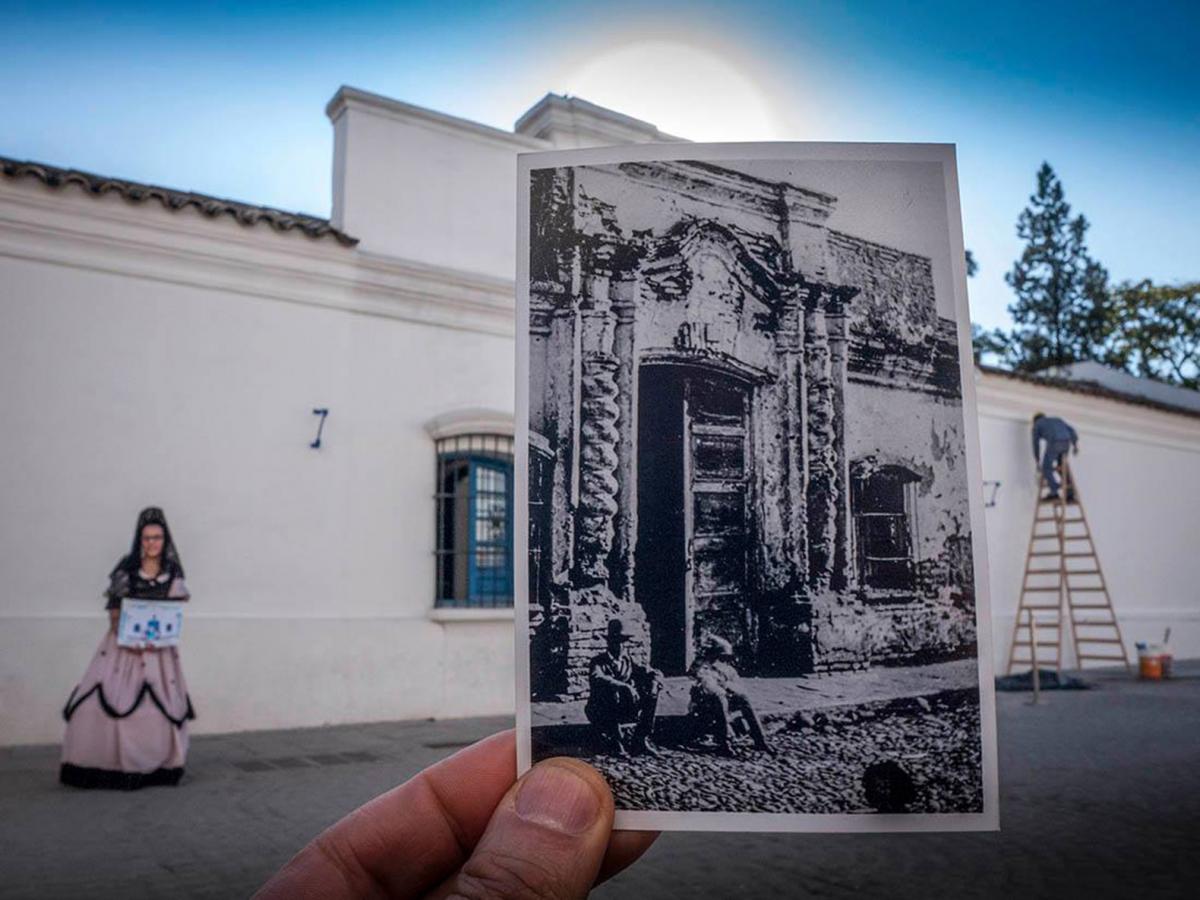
1090 388
213 207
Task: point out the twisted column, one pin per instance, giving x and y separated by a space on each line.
624 306
822 494
598 437
835 323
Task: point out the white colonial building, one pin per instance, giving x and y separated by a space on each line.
172 349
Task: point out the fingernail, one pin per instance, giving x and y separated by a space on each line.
555 797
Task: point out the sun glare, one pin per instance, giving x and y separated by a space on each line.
686 90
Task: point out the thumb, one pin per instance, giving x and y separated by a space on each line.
546 838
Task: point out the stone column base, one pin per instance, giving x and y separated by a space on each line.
844 633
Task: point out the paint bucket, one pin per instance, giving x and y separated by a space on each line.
1154 661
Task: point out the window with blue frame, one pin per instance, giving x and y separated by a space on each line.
474 521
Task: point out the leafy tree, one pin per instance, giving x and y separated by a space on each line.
1156 331
1061 309
993 343
982 341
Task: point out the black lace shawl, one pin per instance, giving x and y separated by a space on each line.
123 580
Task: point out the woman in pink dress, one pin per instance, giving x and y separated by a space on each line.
127 718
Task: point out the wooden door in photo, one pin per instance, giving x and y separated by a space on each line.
717 523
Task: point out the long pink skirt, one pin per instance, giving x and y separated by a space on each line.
127 720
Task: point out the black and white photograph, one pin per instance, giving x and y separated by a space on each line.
749 483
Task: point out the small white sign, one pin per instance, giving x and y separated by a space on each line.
150 623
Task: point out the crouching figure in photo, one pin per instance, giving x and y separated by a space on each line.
719 705
622 693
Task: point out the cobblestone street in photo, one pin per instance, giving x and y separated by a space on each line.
819 763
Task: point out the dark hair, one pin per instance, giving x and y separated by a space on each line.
169 560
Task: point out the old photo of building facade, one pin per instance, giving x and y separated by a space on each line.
746 440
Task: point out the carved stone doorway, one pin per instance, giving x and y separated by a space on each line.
693 509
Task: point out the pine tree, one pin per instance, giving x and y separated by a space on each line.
1061 310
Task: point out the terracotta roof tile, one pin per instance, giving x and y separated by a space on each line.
213 207
1090 388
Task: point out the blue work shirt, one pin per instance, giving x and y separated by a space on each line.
1053 430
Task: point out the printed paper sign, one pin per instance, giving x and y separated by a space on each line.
149 623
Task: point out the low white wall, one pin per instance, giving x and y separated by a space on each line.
247 673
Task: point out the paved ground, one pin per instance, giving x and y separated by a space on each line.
1100 797
775 696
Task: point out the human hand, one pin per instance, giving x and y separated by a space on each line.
467 828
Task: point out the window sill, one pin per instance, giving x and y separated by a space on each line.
490 614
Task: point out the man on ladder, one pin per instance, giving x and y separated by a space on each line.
1059 437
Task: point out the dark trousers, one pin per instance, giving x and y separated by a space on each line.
610 706
715 714
1055 451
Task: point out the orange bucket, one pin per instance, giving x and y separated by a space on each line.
1154 662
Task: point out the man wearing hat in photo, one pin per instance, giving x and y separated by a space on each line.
622 692
719 701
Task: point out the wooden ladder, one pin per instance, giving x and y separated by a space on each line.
1062 572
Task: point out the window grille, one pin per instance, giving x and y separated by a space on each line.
473 500
883 504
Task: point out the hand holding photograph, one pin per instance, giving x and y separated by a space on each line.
753 592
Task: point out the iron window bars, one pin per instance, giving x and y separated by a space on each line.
473 500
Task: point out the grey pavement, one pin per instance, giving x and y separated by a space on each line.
1100 797
783 696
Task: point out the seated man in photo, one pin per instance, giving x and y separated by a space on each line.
622 692
719 703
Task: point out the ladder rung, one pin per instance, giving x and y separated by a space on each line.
1027 643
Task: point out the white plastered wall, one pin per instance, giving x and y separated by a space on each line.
135 375
1138 471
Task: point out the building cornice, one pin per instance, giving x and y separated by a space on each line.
105 235
351 98
473 420
578 117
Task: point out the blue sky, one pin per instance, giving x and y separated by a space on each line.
227 98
